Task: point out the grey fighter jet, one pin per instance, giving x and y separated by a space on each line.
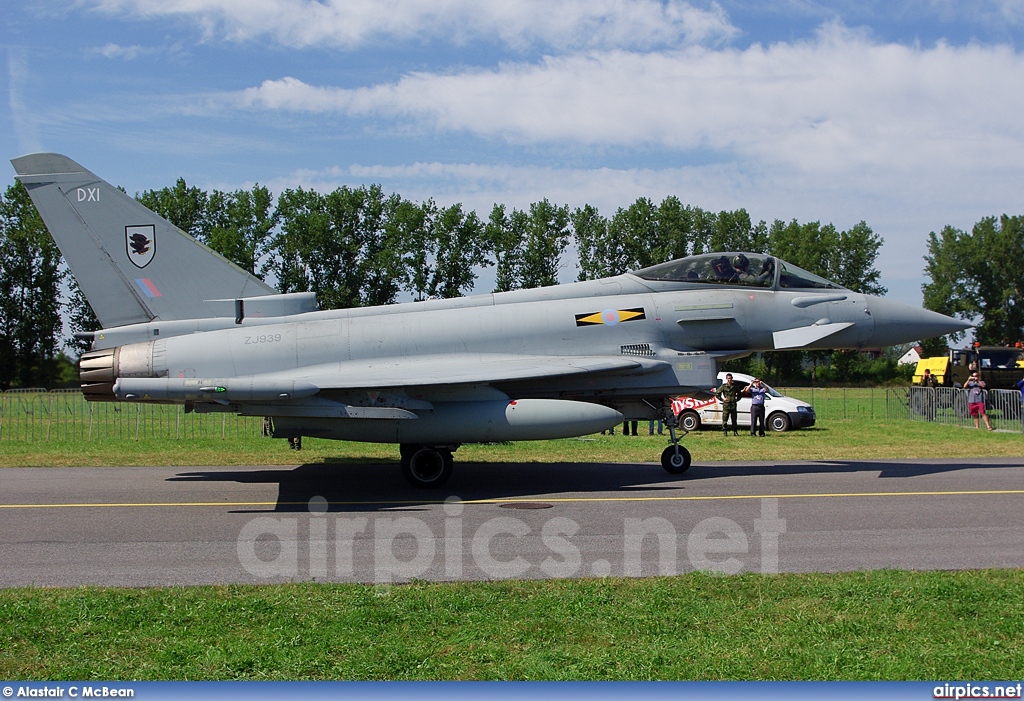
183 325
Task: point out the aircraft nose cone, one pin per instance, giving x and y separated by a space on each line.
900 323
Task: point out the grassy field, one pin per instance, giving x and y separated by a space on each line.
871 625
874 625
835 439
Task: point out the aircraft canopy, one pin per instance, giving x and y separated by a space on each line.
748 269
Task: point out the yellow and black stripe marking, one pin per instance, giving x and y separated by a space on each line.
610 317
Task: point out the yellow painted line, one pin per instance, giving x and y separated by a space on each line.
567 500
754 496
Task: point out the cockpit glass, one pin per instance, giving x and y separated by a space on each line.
792 277
751 269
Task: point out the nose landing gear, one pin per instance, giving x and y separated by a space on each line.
675 458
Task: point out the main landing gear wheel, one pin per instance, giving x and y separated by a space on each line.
426 468
675 459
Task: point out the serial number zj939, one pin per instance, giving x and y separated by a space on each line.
263 338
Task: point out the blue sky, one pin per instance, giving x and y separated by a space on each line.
908 115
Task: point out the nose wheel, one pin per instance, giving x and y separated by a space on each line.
675 458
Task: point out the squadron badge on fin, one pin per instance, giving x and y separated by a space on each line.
141 244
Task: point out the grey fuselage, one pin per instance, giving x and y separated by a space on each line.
683 329
184 325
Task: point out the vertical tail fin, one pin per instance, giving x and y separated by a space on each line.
133 265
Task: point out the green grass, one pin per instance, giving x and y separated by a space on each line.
873 625
831 439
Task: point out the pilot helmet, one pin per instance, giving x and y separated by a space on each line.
740 262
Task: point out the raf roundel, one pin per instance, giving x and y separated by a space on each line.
610 317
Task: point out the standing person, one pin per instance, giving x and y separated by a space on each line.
1020 386
976 400
729 395
757 392
928 380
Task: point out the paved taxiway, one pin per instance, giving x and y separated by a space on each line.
354 522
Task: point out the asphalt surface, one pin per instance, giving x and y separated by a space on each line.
352 522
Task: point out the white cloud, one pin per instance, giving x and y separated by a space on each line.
127 53
23 120
836 102
1011 11
518 23
971 12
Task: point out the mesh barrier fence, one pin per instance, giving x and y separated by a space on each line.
948 405
63 415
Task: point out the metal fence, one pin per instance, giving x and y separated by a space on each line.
948 405
844 402
33 415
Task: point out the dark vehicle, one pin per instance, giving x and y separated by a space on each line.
999 366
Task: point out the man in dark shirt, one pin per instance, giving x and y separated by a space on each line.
729 396
928 380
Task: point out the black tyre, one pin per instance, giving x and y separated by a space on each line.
675 461
427 468
778 422
689 421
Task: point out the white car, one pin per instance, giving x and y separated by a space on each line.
781 412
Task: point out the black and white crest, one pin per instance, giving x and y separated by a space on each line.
140 242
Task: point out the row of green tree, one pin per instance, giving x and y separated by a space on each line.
978 275
30 296
359 246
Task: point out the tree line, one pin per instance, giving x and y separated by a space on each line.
978 275
357 246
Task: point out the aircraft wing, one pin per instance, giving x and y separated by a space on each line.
460 368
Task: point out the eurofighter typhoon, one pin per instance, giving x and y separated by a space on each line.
183 325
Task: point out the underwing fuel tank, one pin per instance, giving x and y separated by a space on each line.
466 422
